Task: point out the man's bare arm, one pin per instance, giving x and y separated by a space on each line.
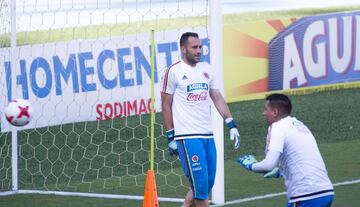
166 102
220 103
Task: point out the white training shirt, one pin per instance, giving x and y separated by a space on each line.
191 104
300 162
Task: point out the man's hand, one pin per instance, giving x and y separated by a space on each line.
275 173
171 142
234 133
247 161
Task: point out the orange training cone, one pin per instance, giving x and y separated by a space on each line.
150 195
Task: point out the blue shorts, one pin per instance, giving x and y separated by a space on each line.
198 159
324 201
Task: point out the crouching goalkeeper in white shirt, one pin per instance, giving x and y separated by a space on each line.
291 146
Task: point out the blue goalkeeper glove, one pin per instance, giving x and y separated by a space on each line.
172 145
234 133
275 173
247 161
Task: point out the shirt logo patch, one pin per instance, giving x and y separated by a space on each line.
184 77
197 86
196 165
197 96
206 75
195 158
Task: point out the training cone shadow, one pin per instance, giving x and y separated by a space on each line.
150 194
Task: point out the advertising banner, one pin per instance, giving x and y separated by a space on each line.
88 80
316 51
246 57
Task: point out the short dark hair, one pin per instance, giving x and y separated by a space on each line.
184 37
281 102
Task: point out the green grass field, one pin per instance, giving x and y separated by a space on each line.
101 156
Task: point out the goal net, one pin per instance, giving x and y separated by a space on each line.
85 68
5 138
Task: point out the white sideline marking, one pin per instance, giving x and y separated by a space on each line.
177 200
243 200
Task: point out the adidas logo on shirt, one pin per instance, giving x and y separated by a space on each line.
184 77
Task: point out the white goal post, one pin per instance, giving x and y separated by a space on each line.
84 67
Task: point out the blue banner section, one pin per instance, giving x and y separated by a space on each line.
85 71
316 50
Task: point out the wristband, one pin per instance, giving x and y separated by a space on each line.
250 166
170 134
230 123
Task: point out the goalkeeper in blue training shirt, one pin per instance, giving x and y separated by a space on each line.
292 146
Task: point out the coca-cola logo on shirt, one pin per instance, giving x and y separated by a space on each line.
197 96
